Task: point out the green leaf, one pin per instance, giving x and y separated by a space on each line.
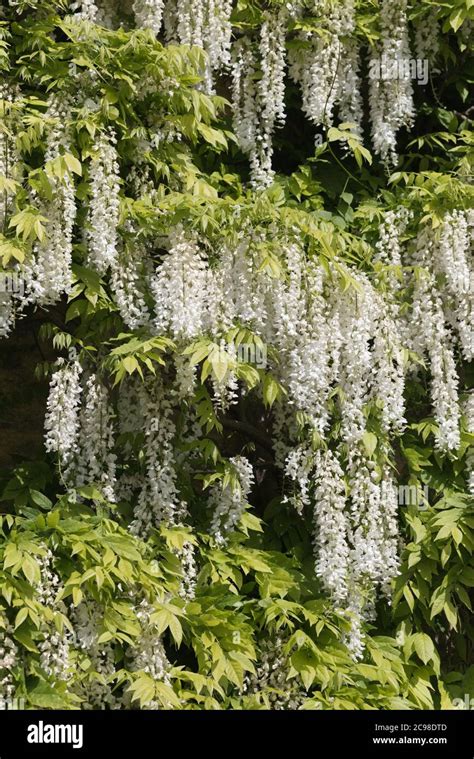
424 647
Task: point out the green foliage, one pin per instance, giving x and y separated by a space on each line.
261 585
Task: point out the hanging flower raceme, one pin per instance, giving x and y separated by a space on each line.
259 104
205 24
432 338
391 88
129 275
62 415
55 646
453 260
149 653
95 460
179 288
427 35
326 66
104 204
149 14
7 313
10 167
11 284
228 502
331 526
300 318
357 314
48 276
158 500
271 683
469 416
94 691
9 659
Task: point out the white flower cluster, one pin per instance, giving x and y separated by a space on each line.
158 499
54 648
205 24
62 415
48 275
427 35
104 204
259 104
373 523
228 502
149 14
326 66
101 12
128 276
180 290
355 529
10 168
432 337
95 691
454 260
9 659
149 654
391 97
187 557
299 318
331 527
95 461
469 415
7 313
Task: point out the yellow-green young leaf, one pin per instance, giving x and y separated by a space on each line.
77 596
213 136
12 556
424 647
73 164
176 630
270 390
130 364
167 696
21 616
219 366
31 570
370 442
451 613
143 690
409 597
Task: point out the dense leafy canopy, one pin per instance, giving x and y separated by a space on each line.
252 262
